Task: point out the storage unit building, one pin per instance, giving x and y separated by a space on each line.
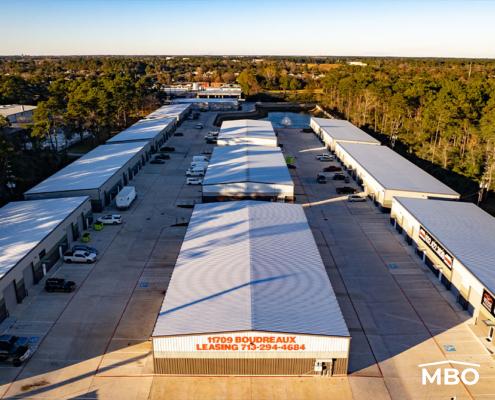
249 295
33 236
99 174
156 131
385 174
242 172
209 104
247 131
177 111
333 131
456 240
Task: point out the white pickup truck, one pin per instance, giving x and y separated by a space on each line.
79 256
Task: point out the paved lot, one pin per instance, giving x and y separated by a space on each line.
94 344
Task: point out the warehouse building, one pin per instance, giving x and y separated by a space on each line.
247 131
456 241
333 131
209 104
249 295
177 111
155 131
33 236
385 174
247 172
99 174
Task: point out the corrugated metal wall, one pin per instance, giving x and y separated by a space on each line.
242 366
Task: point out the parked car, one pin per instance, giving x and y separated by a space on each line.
162 157
213 133
59 285
201 158
332 168
125 197
83 247
110 219
347 179
14 349
346 190
321 178
195 173
211 141
291 166
199 126
307 130
194 181
354 198
79 256
338 177
178 134
167 148
207 152
325 157
157 161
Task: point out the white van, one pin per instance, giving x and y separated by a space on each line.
200 159
125 197
199 164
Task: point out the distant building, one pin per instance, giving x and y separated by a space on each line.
17 113
357 63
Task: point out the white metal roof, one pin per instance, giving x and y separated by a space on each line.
145 129
393 171
12 109
247 128
242 163
343 130
169 110
189 100
24 224
92 170
464 229
249 265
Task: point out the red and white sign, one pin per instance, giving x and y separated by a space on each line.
437 248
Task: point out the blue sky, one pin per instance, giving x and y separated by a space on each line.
436 28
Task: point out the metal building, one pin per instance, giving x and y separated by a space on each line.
242 172
33 236
247 131
156 131
333 131
204 104
177 111
249 295
99 174
384 174
456 241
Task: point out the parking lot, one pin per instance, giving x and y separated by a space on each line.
94 343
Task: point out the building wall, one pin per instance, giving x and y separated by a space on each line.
191 354
23 271
245 190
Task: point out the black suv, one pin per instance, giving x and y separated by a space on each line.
14 349
338 177
59 285
167 148
346 190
